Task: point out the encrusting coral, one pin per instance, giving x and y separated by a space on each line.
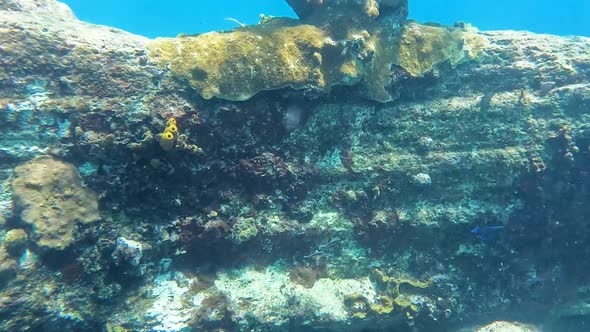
235 65
281 53
422 47
52 199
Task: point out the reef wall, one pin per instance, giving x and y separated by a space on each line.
297 174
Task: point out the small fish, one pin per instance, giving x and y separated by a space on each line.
487 233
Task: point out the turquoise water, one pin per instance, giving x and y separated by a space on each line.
169 18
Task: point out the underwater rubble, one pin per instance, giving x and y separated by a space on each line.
362 174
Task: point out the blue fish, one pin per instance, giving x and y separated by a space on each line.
487 233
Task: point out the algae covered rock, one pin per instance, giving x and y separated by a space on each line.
54 8
52 199
128 256
422 47
15 240
244 230
236 65
8 267
507 327
73 56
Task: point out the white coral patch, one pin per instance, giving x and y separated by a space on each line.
270 297
167 310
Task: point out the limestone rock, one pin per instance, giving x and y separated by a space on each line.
53 63
52 199
37 34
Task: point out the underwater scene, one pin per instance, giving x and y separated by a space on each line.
343 168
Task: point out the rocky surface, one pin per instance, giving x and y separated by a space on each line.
463 199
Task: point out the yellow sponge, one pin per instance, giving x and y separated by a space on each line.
172 129
166 140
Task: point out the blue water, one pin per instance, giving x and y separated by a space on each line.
154 18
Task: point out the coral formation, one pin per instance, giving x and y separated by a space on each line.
388 298
127 251
422 47
238 64
52 199
243 230
15 241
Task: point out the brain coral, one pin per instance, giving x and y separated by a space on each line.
50 197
